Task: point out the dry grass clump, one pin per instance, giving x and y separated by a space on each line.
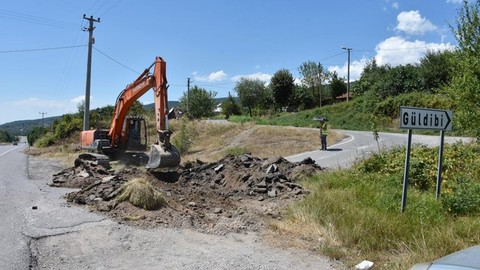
141 193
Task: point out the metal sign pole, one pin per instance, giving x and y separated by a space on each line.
405 172
440 164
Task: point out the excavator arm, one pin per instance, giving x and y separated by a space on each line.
133 92
162 153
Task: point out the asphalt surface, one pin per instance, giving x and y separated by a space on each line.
16 196
30 210
360 144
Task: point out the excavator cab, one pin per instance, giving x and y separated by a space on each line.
136 134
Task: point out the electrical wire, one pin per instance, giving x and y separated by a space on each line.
36 20
111 58
43 49
110 8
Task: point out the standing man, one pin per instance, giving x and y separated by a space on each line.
323 134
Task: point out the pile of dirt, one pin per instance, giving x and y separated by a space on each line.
235 194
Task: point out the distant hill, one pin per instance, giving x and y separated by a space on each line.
22 127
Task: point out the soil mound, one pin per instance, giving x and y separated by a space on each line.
234 194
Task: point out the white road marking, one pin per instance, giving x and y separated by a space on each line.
8 151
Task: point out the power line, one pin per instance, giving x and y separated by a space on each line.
43 49
36 20
109 57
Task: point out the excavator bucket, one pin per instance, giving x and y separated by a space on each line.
163 159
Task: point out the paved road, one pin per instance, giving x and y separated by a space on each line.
359 144
19 222
15 198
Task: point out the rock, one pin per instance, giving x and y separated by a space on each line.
217 210
272 193
245 157
79 200
193 204
91 197
272 168
104 207
259 190
107 179
218 168
34 207
83 174
114 194
262 184
307 160
245 176
218 178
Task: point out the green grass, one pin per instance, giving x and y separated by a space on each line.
362 206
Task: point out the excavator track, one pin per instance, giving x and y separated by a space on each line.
99 159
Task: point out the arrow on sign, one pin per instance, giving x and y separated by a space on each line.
424 118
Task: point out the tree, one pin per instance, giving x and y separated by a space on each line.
435 70
229 107
313 76
5 136
201 102
399 80
337 85
463 88
282 86
302 97
371 79
252 93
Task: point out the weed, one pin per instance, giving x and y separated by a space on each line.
236 151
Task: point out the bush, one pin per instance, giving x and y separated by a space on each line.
141 193
35 133
183 138
465 198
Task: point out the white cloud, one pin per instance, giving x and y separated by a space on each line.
356 69
39 103
213 77
455 1
260 76
411 22
79 99
395 5
398 51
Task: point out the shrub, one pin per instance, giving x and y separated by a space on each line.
141 193
465 198
184 137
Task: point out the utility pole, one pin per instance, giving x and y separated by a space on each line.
348 71
188 96
43 116
91 40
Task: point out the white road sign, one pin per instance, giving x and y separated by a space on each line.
425 118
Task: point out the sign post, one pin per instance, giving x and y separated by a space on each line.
424 118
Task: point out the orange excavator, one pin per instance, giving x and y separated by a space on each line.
128 133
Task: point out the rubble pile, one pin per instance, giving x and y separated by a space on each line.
248 175
236 193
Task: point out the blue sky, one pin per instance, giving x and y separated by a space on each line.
213 42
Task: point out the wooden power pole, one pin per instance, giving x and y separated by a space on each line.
91 40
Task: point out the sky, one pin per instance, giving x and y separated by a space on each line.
43 53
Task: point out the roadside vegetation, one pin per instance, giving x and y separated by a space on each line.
6 137
353 214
